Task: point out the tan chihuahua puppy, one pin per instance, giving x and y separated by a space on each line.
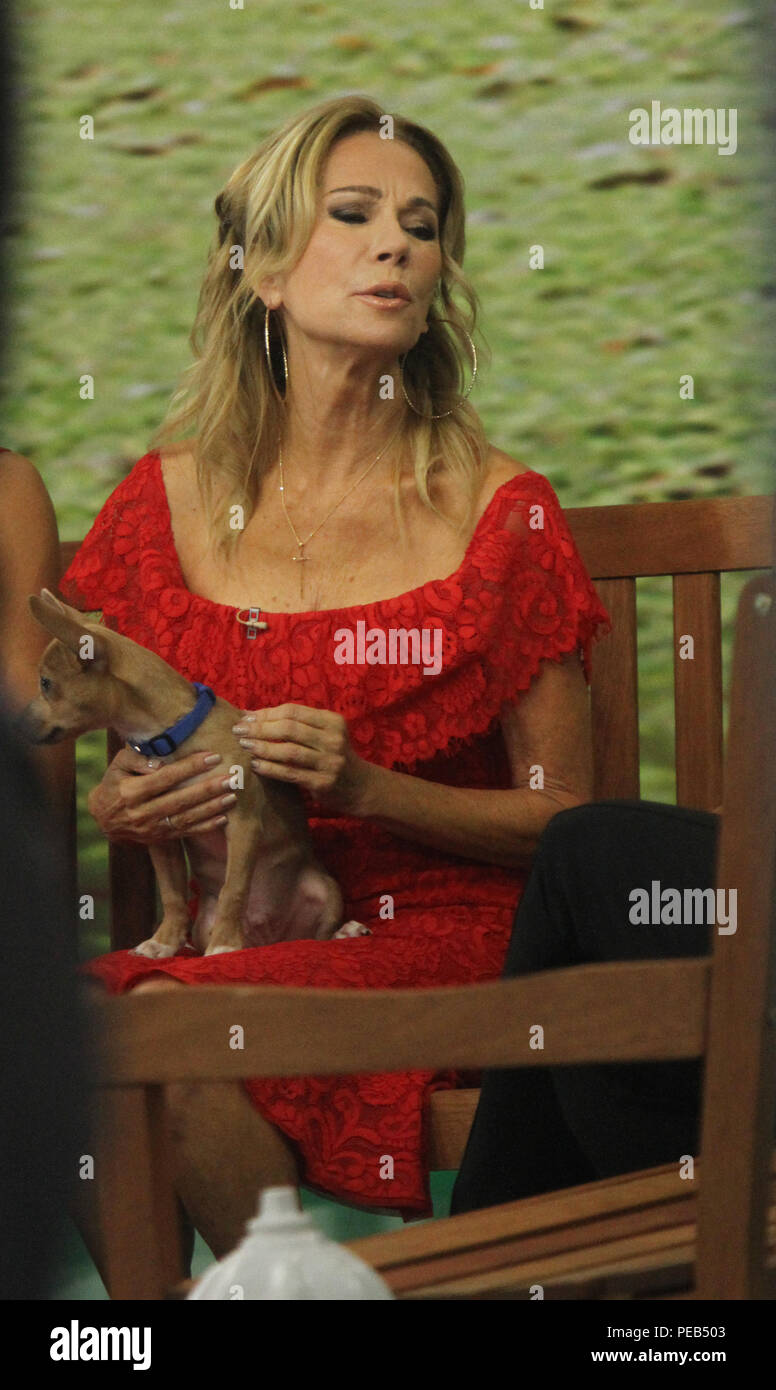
271 887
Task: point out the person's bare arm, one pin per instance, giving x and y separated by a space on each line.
29 561
547 729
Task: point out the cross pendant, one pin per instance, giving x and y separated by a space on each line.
301 572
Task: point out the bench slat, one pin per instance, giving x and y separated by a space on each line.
615 697
698 691
625 1010
642 538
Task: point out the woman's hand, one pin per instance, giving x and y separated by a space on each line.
310 747
135 795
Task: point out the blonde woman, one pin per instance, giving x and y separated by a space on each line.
334 495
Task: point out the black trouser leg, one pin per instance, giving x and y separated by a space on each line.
540 1129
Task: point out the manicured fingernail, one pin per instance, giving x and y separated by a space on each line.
211 758
239 729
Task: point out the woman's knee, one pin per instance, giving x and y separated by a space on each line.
604 841
157 982
600 829
580 827
603 821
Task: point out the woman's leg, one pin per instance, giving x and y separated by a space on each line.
542 1129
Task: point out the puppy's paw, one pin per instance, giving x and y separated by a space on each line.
155 950
220 950
352 929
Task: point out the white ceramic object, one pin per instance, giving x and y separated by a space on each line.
283 1255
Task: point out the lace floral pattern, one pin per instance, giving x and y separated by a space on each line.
521 596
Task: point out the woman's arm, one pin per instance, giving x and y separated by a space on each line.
29 561
547 730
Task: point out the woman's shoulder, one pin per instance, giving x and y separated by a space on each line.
19 477
26 507
178 463
178 472
505 473
177 458
138 495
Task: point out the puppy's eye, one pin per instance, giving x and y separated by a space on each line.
45 683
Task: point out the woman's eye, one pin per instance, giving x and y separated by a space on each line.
421 229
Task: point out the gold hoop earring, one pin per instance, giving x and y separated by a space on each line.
466 393
269 358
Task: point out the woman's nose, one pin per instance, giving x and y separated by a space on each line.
399 257
391 240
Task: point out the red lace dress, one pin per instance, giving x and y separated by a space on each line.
521 596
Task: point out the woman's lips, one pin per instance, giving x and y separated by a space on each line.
382 303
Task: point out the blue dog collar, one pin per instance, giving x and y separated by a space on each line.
180 731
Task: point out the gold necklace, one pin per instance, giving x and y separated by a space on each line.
302 543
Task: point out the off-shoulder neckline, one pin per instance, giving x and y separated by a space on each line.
327 612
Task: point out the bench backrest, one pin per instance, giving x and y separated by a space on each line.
695 542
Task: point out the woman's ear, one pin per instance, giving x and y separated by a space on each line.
269 291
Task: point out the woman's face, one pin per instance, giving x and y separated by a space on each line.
377 224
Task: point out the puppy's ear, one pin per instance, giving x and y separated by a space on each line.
52 598
66 623
55 602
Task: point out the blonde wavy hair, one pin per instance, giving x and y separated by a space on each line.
268 207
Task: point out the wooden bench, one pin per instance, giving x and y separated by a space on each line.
608 1012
